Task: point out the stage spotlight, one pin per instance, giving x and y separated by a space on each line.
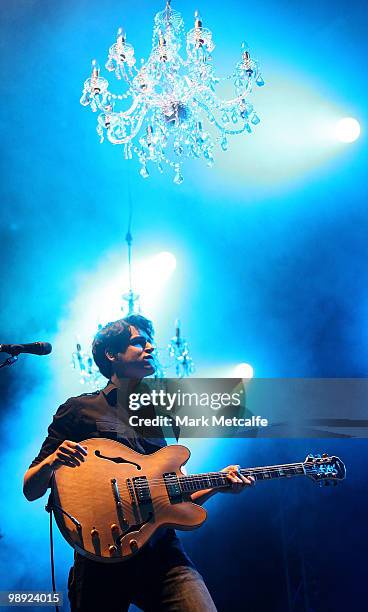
243 370
165 262
151 278
347 129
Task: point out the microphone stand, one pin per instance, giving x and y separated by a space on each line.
9 361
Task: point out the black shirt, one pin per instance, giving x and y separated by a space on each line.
104 414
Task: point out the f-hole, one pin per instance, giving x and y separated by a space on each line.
117 459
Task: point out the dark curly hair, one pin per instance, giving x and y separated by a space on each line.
114 337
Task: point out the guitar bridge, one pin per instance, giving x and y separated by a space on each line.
119 504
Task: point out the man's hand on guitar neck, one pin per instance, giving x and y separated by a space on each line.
237 480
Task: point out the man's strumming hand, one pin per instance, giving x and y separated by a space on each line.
68 453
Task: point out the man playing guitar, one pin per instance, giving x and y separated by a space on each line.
161 577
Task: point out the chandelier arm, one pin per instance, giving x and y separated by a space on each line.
138 100
116 140
104 106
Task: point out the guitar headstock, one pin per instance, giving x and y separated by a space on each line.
324 469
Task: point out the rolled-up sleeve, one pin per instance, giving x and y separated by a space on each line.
63 427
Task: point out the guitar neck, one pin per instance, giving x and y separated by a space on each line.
219 480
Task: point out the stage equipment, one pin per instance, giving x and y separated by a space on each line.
171 107
111 505
34 348
9 361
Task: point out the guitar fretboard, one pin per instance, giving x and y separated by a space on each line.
210 480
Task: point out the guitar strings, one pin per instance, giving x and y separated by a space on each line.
266 469
296 469
197 481
250 471
198 478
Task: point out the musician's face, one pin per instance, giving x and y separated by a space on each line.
137 359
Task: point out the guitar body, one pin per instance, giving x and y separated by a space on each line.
108 507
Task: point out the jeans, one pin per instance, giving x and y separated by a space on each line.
153 589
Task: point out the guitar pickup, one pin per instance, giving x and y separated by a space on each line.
142 490
173 487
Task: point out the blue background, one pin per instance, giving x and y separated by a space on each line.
271 250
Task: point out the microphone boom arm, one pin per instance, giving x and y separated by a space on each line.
9 361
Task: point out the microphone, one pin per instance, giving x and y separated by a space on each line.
35 348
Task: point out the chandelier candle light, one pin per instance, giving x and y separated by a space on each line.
173 101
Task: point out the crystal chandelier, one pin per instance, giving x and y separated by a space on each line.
83 363
171 109
179 353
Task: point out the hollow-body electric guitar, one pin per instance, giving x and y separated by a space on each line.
111 505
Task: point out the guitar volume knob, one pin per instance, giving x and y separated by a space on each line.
114 529
133 545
